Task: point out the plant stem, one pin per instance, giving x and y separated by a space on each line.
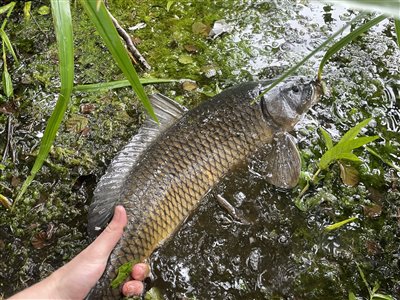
311 54
304 190
346 40
307 186
315 175
397 28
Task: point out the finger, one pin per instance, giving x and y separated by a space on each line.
140 271
133 288
106 241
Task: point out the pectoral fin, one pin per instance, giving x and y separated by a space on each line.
282 162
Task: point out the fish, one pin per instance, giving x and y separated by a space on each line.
167 168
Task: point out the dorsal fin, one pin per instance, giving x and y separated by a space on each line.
108 189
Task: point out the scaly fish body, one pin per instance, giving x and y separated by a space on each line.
187 160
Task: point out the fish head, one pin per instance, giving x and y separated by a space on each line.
286 104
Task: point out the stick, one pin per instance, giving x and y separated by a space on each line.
129 44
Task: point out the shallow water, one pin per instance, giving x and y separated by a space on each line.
284 252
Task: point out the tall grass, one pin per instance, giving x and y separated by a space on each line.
6 44
101 19
63 29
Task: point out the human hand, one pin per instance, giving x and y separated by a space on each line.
75 279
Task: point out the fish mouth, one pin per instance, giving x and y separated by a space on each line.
317 90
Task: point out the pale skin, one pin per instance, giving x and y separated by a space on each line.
75 279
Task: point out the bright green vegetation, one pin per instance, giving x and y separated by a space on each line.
388 7
123 272
6 44
63 29
285 252
341 151
339 224
373 295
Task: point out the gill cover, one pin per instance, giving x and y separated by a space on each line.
284 107
289 102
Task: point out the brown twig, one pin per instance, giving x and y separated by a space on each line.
129 44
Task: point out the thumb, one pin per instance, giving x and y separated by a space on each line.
106 241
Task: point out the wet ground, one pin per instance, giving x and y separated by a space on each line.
284 253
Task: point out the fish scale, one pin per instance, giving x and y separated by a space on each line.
179 168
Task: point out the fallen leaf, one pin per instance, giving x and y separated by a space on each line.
87 108
185 59
200 28
191 48
189 86
76 123
349 174
373 248
44 10
373 211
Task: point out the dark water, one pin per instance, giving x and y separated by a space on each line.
283 253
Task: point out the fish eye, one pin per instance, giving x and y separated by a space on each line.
295 89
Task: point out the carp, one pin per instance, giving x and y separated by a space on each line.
165 171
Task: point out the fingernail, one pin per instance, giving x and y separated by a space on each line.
117 212
133 288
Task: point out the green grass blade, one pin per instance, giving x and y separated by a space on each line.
386 161
339 224
354 131
364 279
347 156
100 17
397 27
352 296
311 54
7 83
6 78
346 40
63 28
382 296
118 84
6 8
388 7
331 156
7 42
27 10
169 4
327 138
